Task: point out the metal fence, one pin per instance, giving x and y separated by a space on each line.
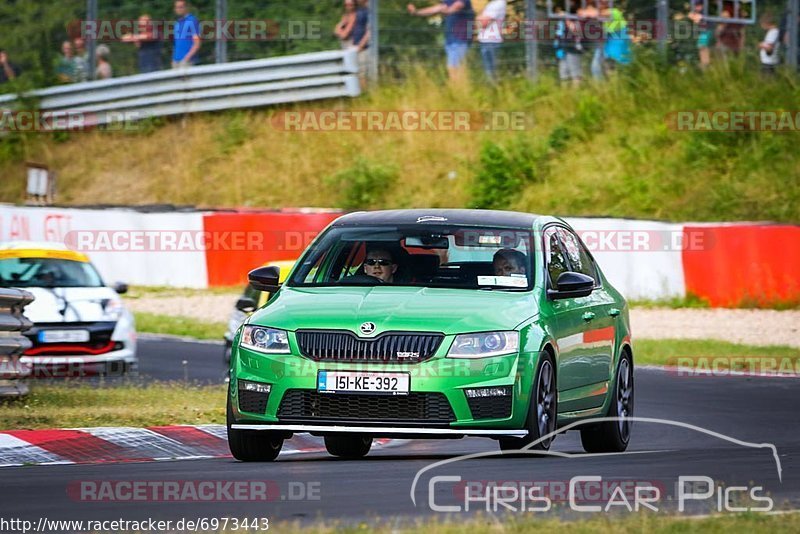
241 84
12 344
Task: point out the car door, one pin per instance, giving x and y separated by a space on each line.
593 318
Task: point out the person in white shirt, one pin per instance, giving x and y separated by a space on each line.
768 48
490 35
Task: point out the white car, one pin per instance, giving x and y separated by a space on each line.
81 326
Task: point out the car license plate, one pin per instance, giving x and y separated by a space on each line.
63 336
360 382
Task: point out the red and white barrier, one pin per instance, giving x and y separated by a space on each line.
727 263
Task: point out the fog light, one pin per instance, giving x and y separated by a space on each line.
258 387
478 393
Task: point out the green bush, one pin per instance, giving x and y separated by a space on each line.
363 185
503 171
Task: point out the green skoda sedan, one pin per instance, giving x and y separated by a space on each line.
434 324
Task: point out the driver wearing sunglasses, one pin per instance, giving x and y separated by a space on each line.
380 264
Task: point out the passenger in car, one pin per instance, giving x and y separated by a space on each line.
507 261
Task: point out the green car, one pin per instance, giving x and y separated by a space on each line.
434 324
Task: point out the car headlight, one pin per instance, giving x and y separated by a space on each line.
263 339
484 344
112 309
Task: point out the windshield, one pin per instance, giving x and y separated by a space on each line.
47 272
429 256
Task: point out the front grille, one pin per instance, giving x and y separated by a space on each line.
386 348
253 401
490 407
419 408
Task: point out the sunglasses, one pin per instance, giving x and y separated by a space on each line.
373 262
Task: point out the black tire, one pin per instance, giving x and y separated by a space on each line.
614 436
543 409
252 445
352 446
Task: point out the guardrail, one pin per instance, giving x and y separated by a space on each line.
12 344
241 84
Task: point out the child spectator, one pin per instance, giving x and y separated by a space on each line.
704 34
768 48
569 50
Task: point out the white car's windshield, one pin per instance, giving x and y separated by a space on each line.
47 272
440 256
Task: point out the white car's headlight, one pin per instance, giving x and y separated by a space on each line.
263 339
112 310
484 344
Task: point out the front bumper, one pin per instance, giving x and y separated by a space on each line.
293 376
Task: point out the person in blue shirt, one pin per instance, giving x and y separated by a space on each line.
187 37
459 21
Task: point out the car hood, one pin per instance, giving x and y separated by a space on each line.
449 311
69 304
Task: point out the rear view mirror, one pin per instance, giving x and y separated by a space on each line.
120 288
265 278
571 285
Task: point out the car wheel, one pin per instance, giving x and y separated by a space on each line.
348 446
251 445
613 436
542 410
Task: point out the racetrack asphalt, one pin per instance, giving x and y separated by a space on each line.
315 486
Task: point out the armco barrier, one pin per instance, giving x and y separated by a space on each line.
12 344
239 84
743 264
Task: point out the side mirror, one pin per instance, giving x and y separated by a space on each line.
246 304
265 278
120 287
571 285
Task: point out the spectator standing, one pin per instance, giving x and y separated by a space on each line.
458 19
187 37
148 44
66 68
768 48
344 29
81 58
704 34
617 49
490 35
103 70
569 50
8 71
594 32
361 39
729 35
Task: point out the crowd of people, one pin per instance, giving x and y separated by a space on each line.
593 33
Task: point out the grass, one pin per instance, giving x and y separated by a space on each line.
72 404
603 149
639 523
153 323
728 355
138 292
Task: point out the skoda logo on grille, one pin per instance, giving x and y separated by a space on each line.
367 328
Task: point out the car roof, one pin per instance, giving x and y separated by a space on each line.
39 249
466 217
